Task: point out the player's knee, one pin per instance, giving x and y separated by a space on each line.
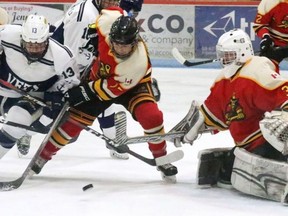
148 115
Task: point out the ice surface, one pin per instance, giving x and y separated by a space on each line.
131 187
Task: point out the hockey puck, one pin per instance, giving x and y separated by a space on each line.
87 187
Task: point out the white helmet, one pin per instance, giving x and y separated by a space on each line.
4 17
35 35
35 29
234 47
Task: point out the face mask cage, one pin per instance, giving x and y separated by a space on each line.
109 3
227 56
117 49
34 51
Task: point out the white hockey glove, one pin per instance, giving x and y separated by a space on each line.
196 124
274 127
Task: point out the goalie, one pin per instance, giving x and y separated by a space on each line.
249 99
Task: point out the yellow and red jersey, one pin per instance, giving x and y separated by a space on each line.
114 76
272 19
238 104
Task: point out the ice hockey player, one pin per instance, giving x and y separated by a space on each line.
84 43
249 99
74 32
270 24
33 63
116 80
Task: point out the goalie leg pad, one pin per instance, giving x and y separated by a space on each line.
209 165
259 176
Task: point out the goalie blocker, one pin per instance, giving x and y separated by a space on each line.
251 174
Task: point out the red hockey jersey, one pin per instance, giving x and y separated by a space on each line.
272 18
239 103
114 76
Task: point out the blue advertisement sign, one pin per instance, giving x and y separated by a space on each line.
212 21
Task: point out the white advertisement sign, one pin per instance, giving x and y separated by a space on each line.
161 26
18 12
166 26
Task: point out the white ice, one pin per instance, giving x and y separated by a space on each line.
131 187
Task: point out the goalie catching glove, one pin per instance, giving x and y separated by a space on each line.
274 127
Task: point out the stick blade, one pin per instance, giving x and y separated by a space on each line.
178 56
120 127
170 158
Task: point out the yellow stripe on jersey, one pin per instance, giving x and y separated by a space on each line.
250 139
97 86
81 117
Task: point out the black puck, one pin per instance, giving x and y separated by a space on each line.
86 187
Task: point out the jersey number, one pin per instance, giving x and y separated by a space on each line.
68 73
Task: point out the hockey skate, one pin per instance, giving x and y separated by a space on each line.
37 166
23 145
117 155
168 172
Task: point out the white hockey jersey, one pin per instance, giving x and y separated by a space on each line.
56 71
74 30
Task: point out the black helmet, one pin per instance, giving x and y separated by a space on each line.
124 30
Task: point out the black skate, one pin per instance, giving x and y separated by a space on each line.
168 172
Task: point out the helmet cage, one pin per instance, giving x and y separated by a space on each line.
234 47
102 4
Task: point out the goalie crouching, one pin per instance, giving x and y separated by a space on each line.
249 99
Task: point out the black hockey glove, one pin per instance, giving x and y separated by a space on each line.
265 44
79 95
56 101
276 53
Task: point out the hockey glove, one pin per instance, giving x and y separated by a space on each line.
56 101
276 53
79 95
265 44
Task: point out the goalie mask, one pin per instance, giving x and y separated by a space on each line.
124 35
35 34
102 4
234 48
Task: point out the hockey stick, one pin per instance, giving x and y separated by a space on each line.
23 93
122 146
14 184
124 140
179 57
42 130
